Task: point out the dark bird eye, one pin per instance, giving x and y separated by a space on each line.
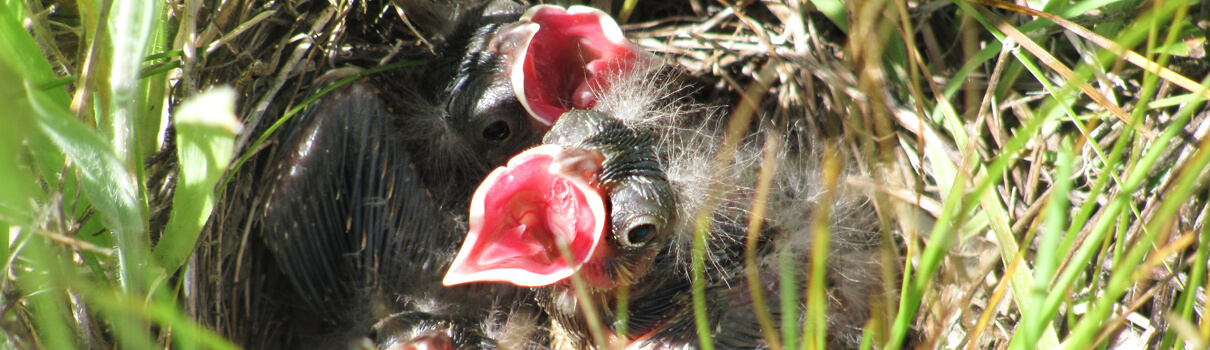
497 131
639 235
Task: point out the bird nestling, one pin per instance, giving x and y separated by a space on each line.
551 196
486 112
352 225
582 51
363 208
612 197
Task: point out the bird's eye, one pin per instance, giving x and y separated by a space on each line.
639 235
497 131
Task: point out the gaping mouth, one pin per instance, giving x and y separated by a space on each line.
524 211
569 55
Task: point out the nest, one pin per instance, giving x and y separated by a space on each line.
911 141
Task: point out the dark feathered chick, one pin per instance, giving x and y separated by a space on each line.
356 207
457 115
670 149
471 109
571 56
595 188
351 224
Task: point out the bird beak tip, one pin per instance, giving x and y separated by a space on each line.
460 271
452 279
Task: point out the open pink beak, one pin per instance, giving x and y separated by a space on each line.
524 211
569 55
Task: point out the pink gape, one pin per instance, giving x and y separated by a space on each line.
545 197
522 213
569 56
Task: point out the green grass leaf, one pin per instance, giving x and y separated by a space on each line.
104 179
17 187
835 11
206 126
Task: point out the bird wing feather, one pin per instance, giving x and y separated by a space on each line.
341 201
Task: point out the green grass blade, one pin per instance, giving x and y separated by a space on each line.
17 186
206 126
815 330
1047 259
1184 306
105 181
1086 329
788 288
40 282
835 11
131 25
151 92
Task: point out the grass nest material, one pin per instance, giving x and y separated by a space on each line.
1041 171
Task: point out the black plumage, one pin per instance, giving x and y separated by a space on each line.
363 205
352 225
458 116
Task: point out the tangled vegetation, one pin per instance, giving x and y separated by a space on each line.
1040 172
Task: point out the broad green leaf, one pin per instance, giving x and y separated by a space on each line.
104 179
26 75
206 127
17 187
21 73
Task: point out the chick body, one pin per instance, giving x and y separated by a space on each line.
363 206
683 141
